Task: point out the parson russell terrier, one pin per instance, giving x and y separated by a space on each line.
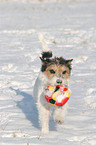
53 71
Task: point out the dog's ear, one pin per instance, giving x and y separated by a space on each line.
46 56
69 61
44 62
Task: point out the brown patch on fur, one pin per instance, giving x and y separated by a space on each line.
58 71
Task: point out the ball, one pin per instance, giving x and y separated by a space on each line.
57 95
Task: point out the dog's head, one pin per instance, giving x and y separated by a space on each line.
57 69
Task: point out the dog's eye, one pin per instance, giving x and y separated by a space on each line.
64 72
52 71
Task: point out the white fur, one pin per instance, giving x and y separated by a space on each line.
43 106
39 90
43 42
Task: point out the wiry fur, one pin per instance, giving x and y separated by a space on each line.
52 70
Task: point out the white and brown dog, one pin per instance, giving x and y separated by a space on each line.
53 71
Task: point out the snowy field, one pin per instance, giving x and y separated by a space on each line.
70 31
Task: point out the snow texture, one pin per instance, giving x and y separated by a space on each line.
69 29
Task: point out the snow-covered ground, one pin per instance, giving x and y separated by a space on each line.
70 31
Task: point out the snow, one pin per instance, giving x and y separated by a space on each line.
70 31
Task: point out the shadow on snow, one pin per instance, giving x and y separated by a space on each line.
29 108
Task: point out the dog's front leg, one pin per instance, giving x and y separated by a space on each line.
59 114
44 119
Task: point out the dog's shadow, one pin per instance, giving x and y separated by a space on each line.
29 108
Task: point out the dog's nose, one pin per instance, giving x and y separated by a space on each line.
59 81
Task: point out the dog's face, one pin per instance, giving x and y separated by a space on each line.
60 71
57 70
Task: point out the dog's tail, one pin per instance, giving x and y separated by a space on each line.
46 52
43 42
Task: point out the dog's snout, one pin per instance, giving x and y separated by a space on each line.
59 81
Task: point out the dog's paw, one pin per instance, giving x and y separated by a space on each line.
59 121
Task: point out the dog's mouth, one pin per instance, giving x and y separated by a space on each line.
63 82
59 81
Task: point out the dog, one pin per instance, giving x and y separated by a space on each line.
54 70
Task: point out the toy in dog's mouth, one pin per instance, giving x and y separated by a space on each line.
57 95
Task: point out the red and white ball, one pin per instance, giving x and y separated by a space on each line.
57 95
